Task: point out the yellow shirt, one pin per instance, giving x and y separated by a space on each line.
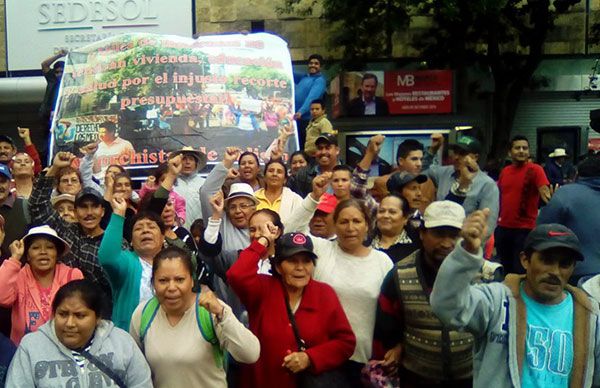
264 203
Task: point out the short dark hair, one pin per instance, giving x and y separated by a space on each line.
109 126
403 203
275 218
518 138
148 215
91 295
589 167
170 253
367 76
408 146
342 167
318 101
317 57
276 161
246 154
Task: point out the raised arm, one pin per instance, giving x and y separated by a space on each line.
9 271
50 60
30 149
214 181
300 217
109 253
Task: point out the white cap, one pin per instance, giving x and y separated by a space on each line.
558 152
241 190
61 245
444 213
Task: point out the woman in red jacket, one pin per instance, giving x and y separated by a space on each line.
319 317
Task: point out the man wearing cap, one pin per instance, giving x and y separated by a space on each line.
85 235
533 330
408 335
576 206
14 211
64 204
521 186
189 183
326 157
321 224
464 183
555 166
409 186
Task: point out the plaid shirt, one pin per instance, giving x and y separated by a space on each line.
84 249
358 190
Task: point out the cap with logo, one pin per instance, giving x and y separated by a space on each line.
548 236
88 193
468 144
290 244
444 213
398 180
62 246
4 170
328 138
241 190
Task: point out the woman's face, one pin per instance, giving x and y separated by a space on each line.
69 184
168 215
74 322
173 285
298 162
351 228
42 254
296 271
390 219
123 188
146 237
248 169
275 175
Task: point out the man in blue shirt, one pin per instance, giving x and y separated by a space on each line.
309 87
533 330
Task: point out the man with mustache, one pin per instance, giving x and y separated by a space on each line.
409 337
85 235
532 330
8 149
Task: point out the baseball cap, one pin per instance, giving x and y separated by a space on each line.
444 213
7 139
468 144
199 156
88 192
241 190
328 203
548 236
290 244
62 197
61 245
399 179
4 170
329 138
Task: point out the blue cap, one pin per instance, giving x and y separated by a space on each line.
4 170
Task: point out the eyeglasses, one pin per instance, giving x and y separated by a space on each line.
243 206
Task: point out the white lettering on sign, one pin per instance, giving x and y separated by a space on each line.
407 80
69 12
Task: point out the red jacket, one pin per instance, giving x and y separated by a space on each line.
321 322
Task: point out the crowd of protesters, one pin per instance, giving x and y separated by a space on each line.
303 273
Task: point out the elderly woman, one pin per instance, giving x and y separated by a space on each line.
394 236
177 340
275 195
302 328
87 350
29 290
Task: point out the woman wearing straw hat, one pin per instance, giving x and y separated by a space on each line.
29 290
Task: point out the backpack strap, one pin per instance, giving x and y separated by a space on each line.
207 328
148 313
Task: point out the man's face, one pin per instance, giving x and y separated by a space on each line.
314 66
89 214
459 156
369 86
321 224
326 154
239 211
104 135
22 165
7 151
412 192
519 152
548 273
340 183
189 164
438 243
123 188
413 162
316 111
4 188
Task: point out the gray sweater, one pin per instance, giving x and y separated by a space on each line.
43 361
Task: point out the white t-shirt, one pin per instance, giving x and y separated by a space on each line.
105 152
357 283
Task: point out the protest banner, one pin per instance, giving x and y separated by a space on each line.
142 96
